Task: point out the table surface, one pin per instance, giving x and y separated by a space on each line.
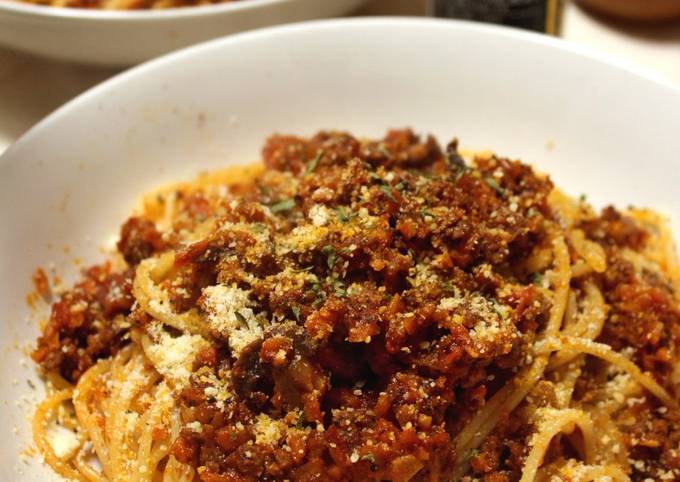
24 100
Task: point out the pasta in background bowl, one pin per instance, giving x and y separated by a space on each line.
125 5
59 202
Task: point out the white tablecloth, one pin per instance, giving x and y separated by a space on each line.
26 97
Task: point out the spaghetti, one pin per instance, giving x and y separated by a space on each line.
125 4
369 310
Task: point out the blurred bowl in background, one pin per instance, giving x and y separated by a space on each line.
120 38
647 10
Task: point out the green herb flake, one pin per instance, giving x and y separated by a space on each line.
448 287
583 198
258 227
345 214
296 312
536 279
281 206
316 288
331 257
388 192
339 289
264 190
493 184
241 319
453 158
315 162
373 177
425 213
461 172
319 295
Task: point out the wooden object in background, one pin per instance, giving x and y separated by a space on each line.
648 10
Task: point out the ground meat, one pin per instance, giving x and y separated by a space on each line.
82 327
614 229
139 239
370 251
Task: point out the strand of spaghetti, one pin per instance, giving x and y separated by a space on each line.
508 397
565 208
579 472
564 388
588 324
611 448
605 352
150 451
514 391
591 252
57 381
567 374
174 470
182 472
86 470
580 269
130 380
177 472
41 420
115 410
660 248
551 422
90 421
571 310
154 301
145 467
602 472
175 426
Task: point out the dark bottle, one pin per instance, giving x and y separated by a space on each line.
537 15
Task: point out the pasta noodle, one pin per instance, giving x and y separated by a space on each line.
124 4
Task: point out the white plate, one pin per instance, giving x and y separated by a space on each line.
117 38
597 127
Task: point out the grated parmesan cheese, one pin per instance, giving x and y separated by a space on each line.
319 215
302 238
230 315
195 427
267 430
174 357
216 388
63 441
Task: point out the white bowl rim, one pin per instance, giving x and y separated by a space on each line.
328 24
22 9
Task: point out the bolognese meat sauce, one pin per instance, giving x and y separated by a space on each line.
383 268
380 293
